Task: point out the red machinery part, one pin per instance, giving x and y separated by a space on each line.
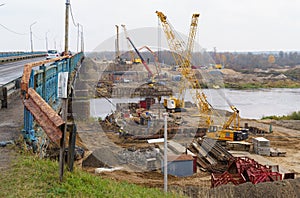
245 170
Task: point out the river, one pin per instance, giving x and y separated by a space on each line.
252 103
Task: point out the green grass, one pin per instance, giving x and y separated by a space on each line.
293 116
33 177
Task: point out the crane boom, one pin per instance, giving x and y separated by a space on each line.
235 118
126 36
150 74
158 67
192 35
183 59
182 55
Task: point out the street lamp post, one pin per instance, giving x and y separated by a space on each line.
46 38
82 40
79 35
31 42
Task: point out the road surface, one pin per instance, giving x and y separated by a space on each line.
13 70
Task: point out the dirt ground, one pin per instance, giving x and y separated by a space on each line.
197 185
11 122
285 136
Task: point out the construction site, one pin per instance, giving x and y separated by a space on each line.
207 148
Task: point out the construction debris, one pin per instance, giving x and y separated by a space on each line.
211 156
243 170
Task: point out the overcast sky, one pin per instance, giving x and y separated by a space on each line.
228 25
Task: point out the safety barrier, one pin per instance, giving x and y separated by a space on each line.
9 54
8 92
39 91
14 56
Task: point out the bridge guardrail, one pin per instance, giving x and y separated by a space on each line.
14 56
9 54
8 91
44 81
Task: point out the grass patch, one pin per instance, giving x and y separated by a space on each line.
33 177
293 116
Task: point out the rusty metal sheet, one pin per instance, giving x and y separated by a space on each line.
28 68
45 116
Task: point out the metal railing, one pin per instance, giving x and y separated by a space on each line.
44 80
10 54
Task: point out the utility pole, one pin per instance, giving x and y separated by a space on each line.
67 27
31 42
117 44
77 37
64 101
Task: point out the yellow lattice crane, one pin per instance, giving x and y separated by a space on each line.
182 54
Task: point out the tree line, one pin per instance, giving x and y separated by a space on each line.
232 60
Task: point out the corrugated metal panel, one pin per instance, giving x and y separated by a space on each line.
45 116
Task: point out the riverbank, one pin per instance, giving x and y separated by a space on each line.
259 79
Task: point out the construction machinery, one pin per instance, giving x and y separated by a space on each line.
182 57
219 59
132 57
150 74
229 132
157 64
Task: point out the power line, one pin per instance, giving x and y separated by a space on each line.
11 30
74 23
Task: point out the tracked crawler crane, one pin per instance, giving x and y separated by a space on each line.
182 55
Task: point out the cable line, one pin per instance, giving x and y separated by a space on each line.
73 20
11 30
